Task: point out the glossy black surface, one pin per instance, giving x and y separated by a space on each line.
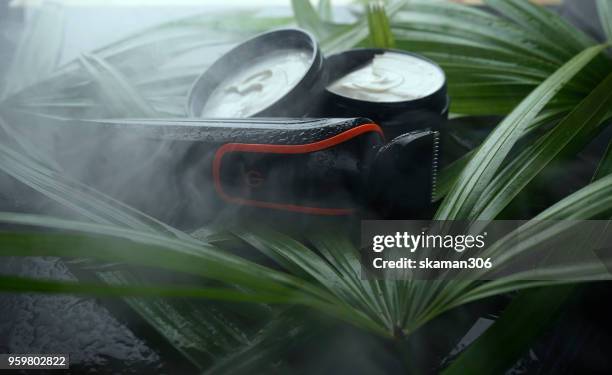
396 118
300 101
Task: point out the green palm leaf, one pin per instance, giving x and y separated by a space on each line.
531 308
574 129
378 24
38 51
172 254
339 278
604 9
484 164
23 284
605 166
530 313
545 24
475 46
114 90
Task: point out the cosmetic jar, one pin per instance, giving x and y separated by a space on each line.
275 74
399 90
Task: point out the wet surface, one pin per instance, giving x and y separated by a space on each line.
96 341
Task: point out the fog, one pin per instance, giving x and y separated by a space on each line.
144 76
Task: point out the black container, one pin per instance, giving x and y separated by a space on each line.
191 172
396 118
297 102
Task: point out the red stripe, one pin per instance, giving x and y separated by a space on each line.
287 149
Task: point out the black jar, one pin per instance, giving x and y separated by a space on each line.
296 100
395 117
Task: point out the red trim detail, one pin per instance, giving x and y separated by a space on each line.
287 149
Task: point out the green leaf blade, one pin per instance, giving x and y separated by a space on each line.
38 51
378 25
605 165
544 23
484 164
520 171
120 96
604 8
526 314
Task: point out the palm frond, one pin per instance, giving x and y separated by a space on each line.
574 130
171 45
531 312
482 167
605 165
114 89
544 23
30 285
378 25
492 61
604 9
38 51
172 254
